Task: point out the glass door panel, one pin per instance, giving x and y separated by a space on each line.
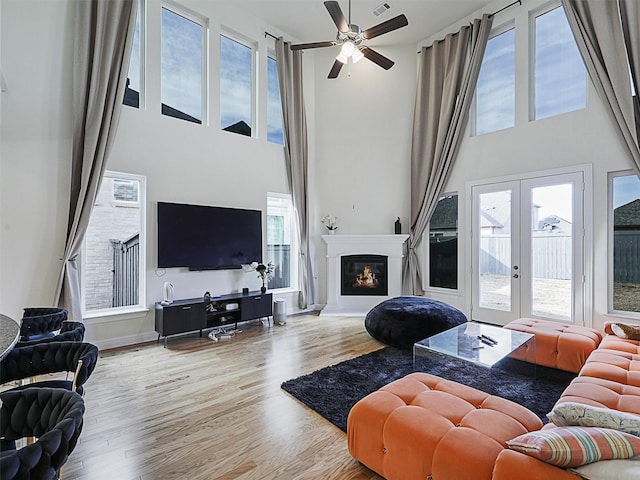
551 237
495 250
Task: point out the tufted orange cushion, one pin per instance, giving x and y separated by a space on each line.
558 345
420 425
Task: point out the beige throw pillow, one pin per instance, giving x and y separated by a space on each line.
626 331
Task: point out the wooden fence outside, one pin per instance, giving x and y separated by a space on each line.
126 271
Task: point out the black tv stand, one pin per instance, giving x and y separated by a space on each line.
198 314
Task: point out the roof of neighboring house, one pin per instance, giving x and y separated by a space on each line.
627 215
446 214
240 127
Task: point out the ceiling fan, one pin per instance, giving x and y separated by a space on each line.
351 39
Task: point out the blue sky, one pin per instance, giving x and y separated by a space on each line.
181 64
625 189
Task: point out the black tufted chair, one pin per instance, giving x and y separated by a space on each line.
70 332
39 322
50 357
52 415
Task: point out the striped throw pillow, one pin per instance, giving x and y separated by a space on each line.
575 446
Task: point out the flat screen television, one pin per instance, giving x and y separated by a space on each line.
208 238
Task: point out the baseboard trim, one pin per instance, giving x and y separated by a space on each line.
123 341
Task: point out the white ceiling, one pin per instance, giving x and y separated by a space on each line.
309 21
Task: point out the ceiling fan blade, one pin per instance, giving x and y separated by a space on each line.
303 46
386 27
338 17
377 58
335 70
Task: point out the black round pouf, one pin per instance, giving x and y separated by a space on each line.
403 321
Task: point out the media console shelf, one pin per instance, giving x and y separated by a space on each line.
192 314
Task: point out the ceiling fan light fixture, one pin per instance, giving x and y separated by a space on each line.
357 56
342 58
348 48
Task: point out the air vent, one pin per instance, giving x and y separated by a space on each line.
380 9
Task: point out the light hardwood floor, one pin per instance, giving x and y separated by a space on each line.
215 411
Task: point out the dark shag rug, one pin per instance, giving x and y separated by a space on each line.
332 391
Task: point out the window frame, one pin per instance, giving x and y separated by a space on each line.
295 250
194 17
141 306
533 15
610 240
495 32
253 46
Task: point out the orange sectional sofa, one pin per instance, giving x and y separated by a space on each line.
424 427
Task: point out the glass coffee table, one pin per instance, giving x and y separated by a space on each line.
477 343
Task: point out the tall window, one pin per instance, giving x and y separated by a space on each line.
496 87
134 82
443 244
281 240
183 71
625 239
113 255
559 74
236 86
274 105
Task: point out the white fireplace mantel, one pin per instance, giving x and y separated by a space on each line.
390 246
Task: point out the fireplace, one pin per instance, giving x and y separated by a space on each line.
382 279
363 275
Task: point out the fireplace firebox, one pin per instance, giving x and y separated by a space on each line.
363 275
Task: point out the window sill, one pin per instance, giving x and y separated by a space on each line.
115 314
443 291
283 291
619 315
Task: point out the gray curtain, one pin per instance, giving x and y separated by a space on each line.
102 47
608 37
447 77
296 157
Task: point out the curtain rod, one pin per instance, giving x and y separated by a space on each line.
267 34
519 2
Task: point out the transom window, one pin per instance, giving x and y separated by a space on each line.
183 91
236 86
134 77
560 79
274 105
496 88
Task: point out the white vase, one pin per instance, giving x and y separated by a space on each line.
332 232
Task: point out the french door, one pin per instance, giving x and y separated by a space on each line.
527 249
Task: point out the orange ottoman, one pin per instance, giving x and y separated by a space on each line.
561 346
422 426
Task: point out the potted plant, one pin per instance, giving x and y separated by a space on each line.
330 221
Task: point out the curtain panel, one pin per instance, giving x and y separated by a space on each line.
103 32
296 156
608 36
447 77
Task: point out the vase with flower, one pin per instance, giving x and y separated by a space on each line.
329 221
265 272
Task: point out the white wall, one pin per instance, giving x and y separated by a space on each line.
581 137
363 138
35 150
